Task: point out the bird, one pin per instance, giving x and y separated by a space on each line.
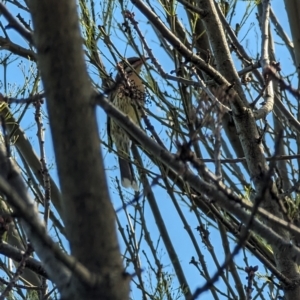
128 97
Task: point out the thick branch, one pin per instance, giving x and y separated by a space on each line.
16 255
87 211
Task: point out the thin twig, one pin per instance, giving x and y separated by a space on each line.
29 100
44 172
14 23
18 272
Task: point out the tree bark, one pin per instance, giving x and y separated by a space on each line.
87 211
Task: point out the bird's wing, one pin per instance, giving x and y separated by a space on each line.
109 138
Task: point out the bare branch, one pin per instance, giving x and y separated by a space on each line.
14 23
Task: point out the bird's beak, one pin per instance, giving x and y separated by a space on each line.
145 58
137 65
141 61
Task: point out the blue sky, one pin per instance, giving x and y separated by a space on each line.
182 243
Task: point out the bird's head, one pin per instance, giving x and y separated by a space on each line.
131 65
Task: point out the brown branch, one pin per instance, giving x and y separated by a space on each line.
17 255
13 187
31 99
272 72
25 256
16 49
44 168
193 8
178 45
241 159
14 23
44 171
280 31
228 200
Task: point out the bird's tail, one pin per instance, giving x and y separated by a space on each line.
127 174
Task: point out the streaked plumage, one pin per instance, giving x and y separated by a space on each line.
129 101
